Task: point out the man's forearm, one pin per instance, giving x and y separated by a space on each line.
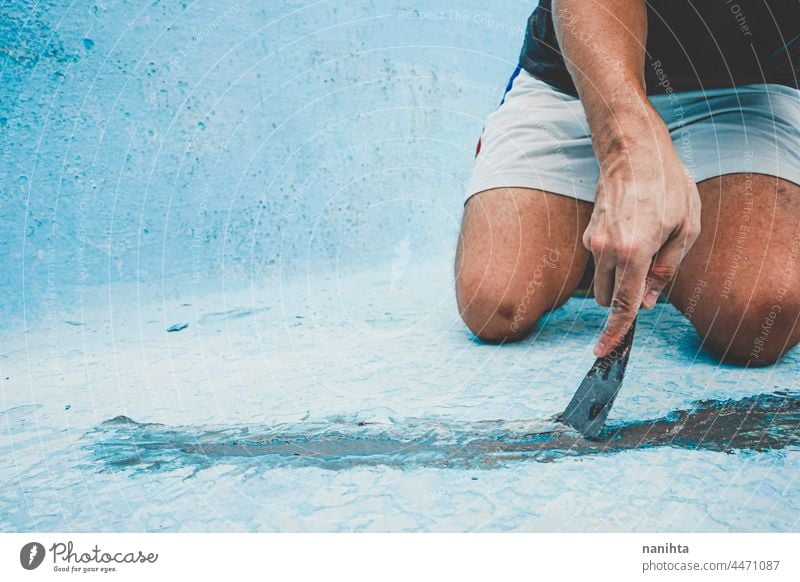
646 213
603 44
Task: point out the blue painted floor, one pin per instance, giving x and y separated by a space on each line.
360 402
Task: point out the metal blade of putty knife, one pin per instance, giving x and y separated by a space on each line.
589 408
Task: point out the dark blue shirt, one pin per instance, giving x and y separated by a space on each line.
691 44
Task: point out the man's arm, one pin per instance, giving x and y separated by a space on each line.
647 209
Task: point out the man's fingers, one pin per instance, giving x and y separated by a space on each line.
604 279
605 264
624 305
664 267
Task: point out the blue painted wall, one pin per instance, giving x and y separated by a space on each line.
187 143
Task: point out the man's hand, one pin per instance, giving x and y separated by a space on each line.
647 210
646 218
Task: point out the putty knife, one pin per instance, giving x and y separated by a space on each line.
589 408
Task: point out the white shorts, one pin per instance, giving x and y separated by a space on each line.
539 138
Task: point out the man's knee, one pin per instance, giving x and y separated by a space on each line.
495 314
755 331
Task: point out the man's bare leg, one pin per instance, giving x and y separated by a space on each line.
740 283
519 255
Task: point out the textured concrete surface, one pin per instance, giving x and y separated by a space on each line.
240 220
191 142
338 357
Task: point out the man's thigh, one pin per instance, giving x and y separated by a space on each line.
519 255
739 283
